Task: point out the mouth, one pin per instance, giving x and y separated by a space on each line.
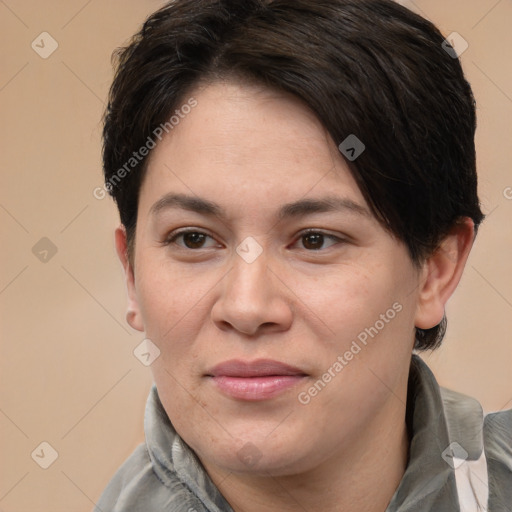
256 380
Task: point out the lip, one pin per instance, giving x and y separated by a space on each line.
258 368
254 380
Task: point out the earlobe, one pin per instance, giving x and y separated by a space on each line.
442 272
133 316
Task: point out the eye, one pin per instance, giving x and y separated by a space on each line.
191 239
314 240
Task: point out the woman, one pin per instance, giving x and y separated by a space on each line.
298 196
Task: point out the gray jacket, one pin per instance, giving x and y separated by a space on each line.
459 460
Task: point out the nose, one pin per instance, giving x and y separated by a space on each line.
252 299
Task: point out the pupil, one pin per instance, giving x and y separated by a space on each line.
314 241
194 240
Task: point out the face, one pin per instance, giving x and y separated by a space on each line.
283 311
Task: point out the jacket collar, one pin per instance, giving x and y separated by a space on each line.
429 481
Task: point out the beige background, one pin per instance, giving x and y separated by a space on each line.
68 374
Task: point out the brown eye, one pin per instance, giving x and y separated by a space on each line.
313 241
316 240
193 240
190 239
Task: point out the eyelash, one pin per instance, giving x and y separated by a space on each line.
171 239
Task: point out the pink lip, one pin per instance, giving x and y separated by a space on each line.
257 380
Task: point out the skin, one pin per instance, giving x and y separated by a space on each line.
251 150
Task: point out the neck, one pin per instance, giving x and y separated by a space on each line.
362 474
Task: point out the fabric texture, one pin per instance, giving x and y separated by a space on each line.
456 456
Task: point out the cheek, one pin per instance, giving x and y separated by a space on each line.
370 317
173 314
346 298
172 297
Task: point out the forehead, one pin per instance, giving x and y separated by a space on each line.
247 144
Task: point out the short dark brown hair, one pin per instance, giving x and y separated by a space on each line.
369 68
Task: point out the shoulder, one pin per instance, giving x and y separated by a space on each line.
135 487
498 440
465 414
500 424
467 421
485 441
498 450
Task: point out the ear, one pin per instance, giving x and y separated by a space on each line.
133 316
442 272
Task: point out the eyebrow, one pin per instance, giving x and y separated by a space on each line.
299 208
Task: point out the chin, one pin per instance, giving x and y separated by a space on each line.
256 456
